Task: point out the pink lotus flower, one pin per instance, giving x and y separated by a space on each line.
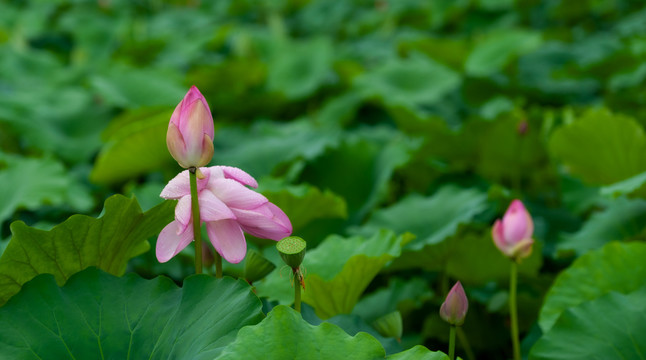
455 307
190 131
513 235
227 207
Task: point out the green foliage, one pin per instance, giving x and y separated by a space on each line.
32 182
401 295
337 272
142 133
409 83
80 242
581 333
97 315
418 117
615 267
431 219
304 203
296 70
283 334
498 49
601 147
622 220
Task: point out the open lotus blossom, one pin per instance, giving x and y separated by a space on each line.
227 207
513 235
190 131
455 307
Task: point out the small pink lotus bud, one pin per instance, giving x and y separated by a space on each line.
455 307
513 235
190 131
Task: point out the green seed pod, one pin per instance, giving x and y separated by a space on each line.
292 250
256 266
390 325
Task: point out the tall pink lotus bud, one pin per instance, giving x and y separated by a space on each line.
190 131
455 307
513 235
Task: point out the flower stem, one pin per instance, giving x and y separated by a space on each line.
217 259
297 289
452 343
513 311
197 229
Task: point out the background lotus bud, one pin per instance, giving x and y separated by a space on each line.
190 131
513 235
455 307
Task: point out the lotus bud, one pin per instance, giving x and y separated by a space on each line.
190 131
513 235
455 307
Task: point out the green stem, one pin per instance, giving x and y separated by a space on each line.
452 343
513 311
197 229
217 259
297 290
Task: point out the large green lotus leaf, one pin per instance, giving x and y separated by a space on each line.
625 187
30 183
336 272
141 132
402 295
610 327
48 108
513 156
99 316
498 49
369 157
304 203
298 69
419 352
468 256
600 147
283 334
129 87
352 324
622 219
615 267
266 145
431 219
80 242
409 83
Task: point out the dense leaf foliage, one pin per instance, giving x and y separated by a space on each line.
391 132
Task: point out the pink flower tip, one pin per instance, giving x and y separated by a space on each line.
455 307
190 131
513 234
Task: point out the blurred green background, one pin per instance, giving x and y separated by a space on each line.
420 116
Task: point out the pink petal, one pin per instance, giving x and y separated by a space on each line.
183 213
238 175
455 307
176 188
258 223
212 208
498 236
170 243
517 223
236 195
228 239
176 145
192 129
